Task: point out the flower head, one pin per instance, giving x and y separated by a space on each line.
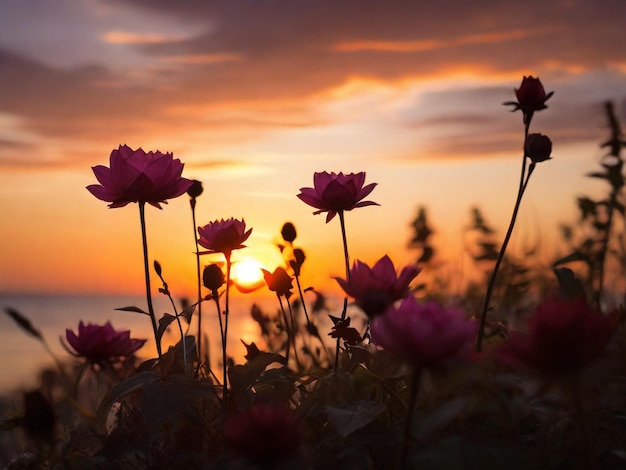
137 176
264 434
279 281
375 289
563 337
425 335
531 97
538 147
102 343
223 236
336 192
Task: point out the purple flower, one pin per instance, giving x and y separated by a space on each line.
335 192
264 434
137 176
223 236
375 289
102 343
563 337
425 335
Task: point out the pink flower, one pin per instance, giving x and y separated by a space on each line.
375 289
223 236
102 343
137 176
563 337
425 335
264 434
335 192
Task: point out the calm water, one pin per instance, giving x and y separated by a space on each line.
21 356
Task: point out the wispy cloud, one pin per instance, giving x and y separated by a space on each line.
124 37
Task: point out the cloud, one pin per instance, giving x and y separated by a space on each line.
223 73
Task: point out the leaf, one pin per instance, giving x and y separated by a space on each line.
569 284
128 386
23 322
132 309
188 312
575 256
244 376
164 322
349 418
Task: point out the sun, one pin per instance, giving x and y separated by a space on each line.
246 274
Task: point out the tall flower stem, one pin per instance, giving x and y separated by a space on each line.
226 315
198 277
414 385
346 256
146 265
522 187
216 298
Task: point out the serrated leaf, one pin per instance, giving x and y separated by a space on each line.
23 322
132 309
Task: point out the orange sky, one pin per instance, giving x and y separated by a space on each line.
256 96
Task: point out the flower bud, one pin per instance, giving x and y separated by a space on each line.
538 147
288 232
213 277
195 189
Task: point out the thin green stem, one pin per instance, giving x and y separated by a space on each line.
522 187
144 239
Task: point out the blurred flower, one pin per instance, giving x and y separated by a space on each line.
425 335
375 289
531 97
264 434
279 281
223 236
335 192
137 176
538 147
213 277
101 343
563 337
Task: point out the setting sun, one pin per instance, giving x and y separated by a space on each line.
247 275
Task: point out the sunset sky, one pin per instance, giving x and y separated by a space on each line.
255 96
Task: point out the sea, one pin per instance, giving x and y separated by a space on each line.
23 357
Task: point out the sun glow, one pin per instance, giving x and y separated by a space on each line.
246 274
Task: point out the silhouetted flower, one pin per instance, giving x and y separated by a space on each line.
538 147
563 337
343 330
263 434
425 335
531 97
137 176
375 289
335 192
223 236
279 281
101 343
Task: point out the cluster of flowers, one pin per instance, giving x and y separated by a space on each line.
564 336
